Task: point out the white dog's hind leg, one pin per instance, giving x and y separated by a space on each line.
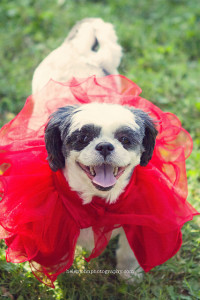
126 260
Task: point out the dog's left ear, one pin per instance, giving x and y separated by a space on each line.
149 140
149 132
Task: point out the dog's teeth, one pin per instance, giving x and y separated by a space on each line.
115 171
92 171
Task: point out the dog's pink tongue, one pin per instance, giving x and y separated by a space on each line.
104 176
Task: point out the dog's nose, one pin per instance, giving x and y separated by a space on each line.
104 148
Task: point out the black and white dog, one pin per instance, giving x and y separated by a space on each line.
100 152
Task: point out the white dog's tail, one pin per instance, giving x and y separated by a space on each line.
91 48
97 40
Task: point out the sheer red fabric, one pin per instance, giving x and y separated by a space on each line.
41 217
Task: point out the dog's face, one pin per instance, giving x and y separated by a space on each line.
98 146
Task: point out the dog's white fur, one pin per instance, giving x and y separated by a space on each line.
75 58
114 116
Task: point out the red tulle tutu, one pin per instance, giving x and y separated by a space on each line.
41 217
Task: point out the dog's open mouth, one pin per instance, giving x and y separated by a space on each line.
103 176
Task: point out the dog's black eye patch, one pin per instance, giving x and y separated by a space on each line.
79 139
128 137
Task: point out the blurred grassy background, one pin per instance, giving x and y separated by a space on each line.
161 42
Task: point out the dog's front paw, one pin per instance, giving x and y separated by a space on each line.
130 271
127 263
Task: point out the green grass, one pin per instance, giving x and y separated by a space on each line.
161 43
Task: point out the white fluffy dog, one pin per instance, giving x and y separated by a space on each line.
100 152
90 49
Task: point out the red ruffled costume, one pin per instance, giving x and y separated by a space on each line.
41 217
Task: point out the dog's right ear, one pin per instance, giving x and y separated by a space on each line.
58 122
